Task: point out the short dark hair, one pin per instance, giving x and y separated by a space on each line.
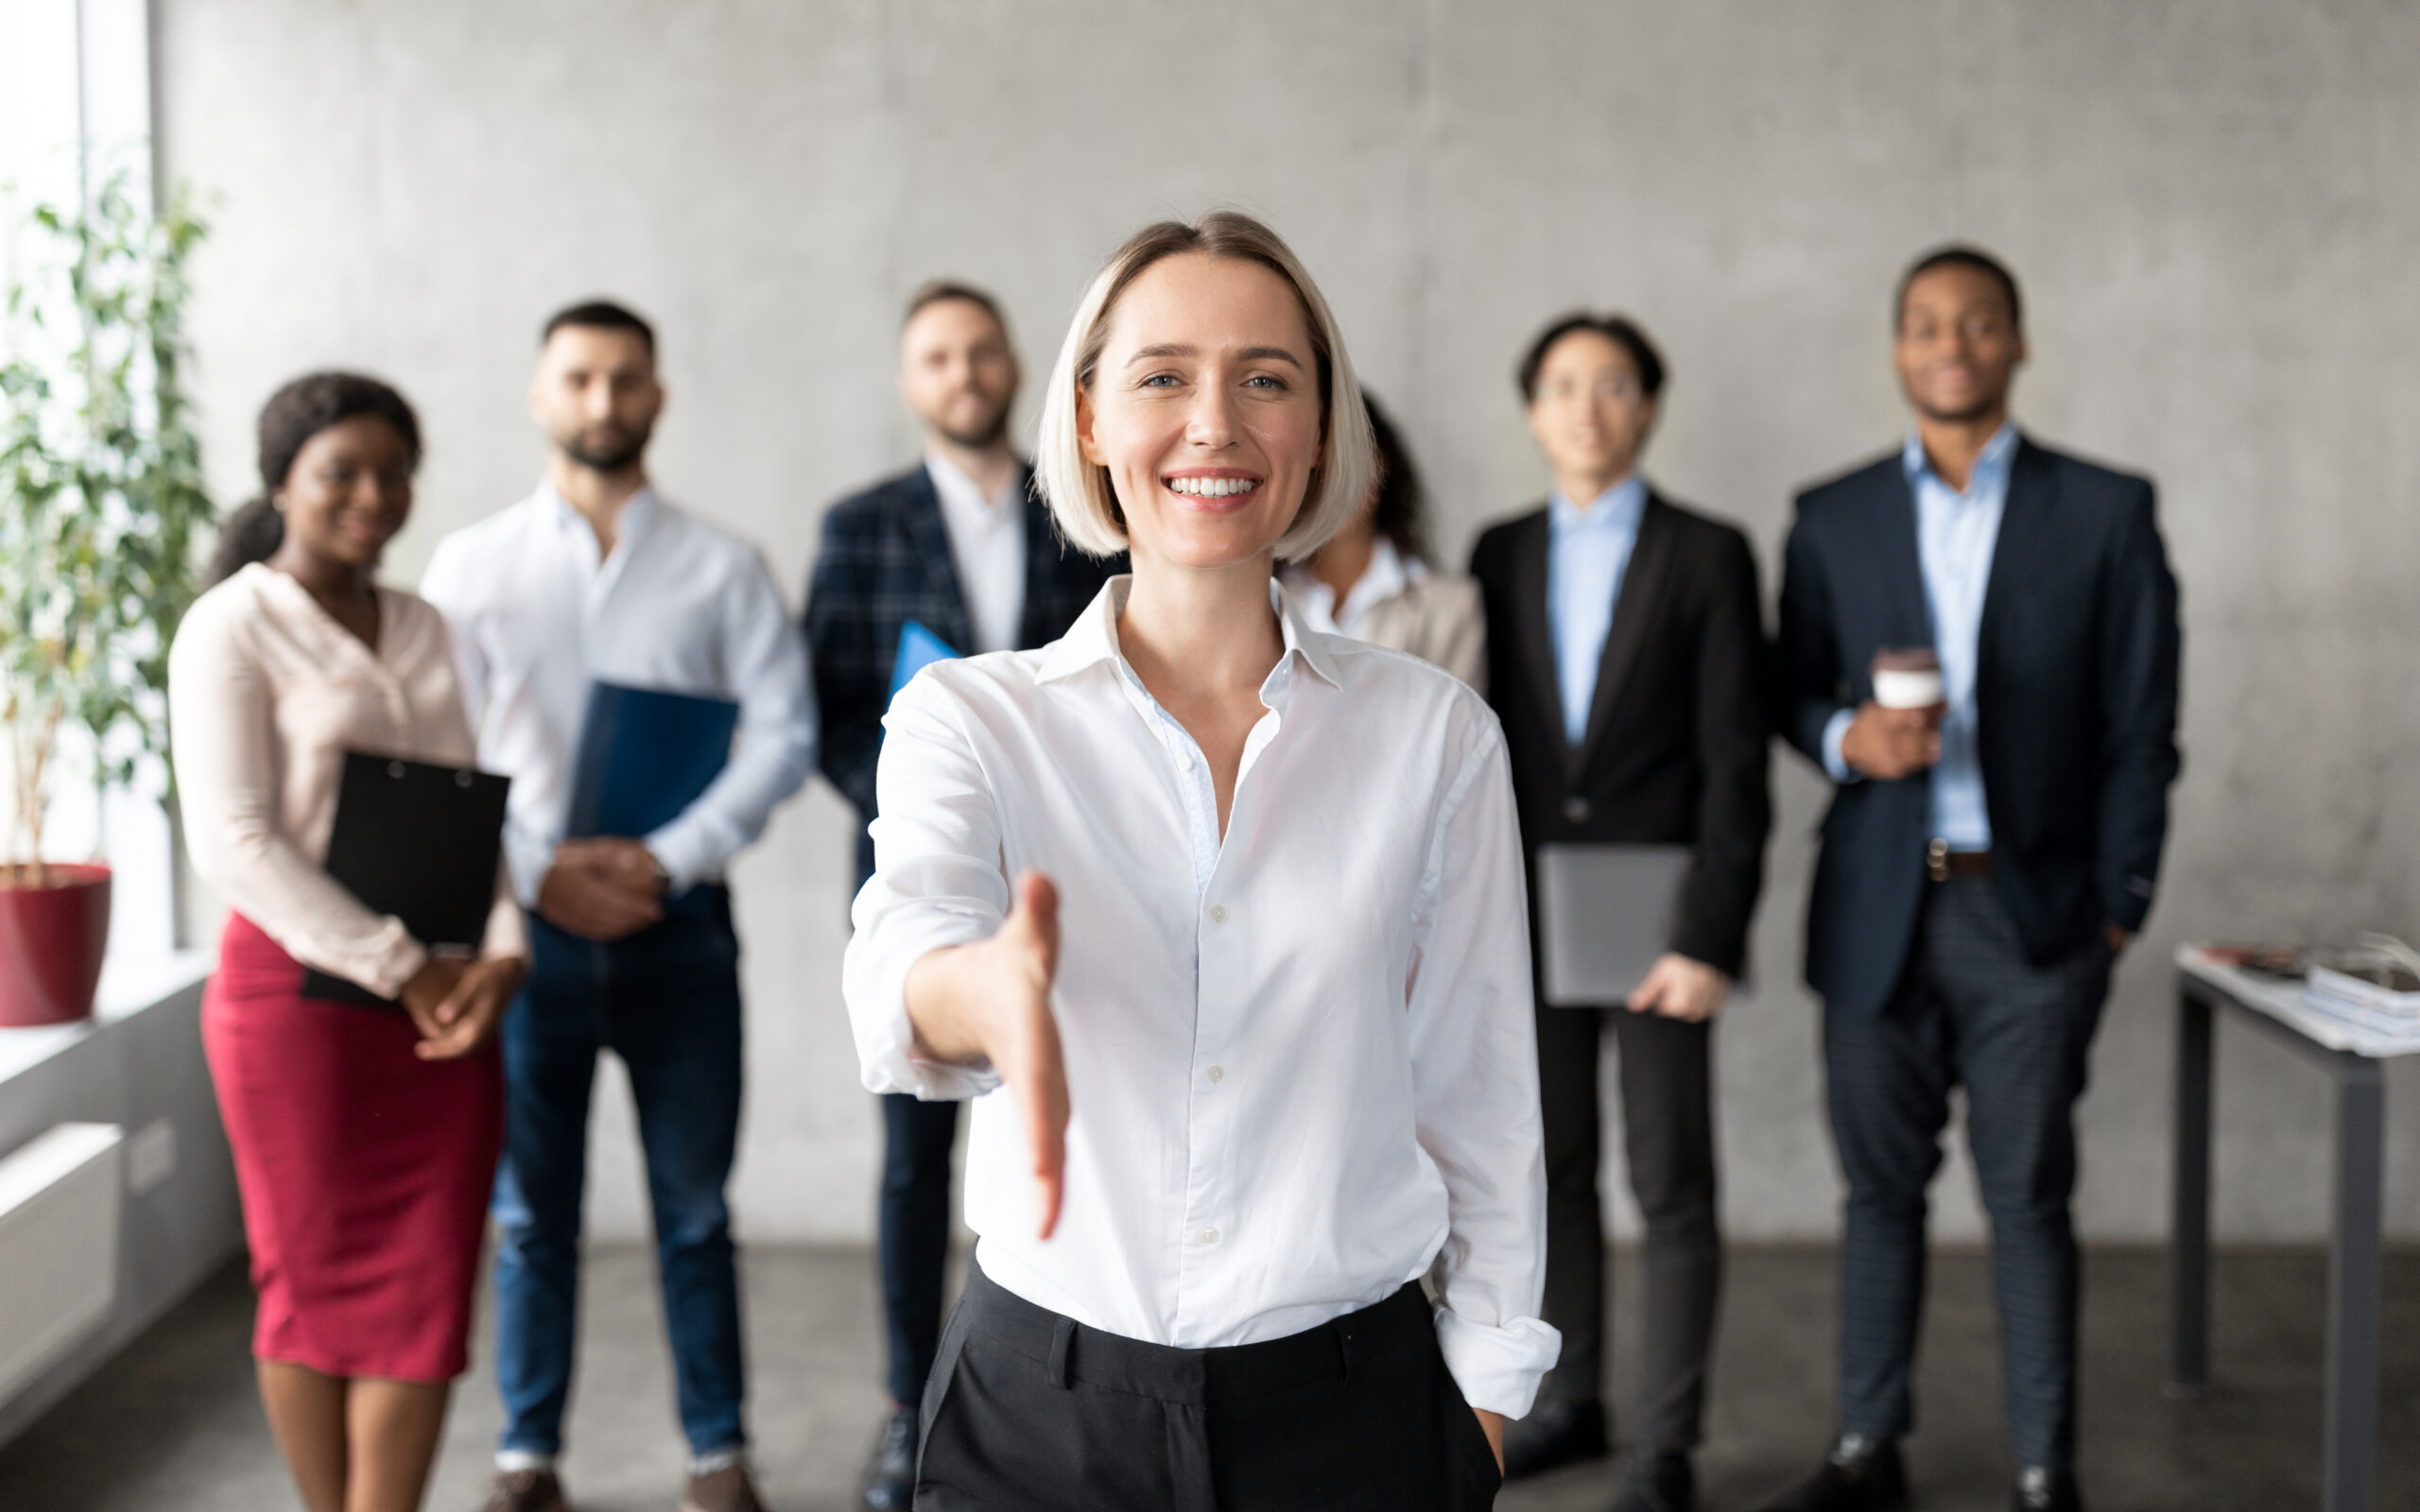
1959 254
1618 328
1401 511
935 291
293 415
601 315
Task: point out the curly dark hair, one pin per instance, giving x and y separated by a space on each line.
293 415
1401 513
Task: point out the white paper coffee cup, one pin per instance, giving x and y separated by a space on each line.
1911 688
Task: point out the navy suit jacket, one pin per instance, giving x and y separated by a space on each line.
885 559
2076 692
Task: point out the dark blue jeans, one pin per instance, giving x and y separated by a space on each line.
667 1001
914 1246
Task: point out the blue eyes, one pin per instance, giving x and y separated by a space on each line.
1268 382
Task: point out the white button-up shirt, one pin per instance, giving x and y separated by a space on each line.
986 545
1302 1060
679 605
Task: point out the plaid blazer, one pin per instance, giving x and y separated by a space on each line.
885 559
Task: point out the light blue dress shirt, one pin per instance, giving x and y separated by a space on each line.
1587 552
1956 535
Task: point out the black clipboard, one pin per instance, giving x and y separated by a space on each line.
420 842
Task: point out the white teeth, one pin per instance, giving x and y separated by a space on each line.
1212 488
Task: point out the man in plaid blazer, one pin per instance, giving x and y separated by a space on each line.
963 545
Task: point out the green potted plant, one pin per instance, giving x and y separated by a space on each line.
101 497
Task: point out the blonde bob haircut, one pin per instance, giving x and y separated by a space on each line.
1079 493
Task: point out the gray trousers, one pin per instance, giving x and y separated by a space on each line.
1970 1011
1668 1135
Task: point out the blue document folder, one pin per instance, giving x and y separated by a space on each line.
645 756
918 649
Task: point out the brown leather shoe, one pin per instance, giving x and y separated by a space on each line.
524 1492
728 1490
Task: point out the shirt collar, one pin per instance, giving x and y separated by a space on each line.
1093 639
1617 509
1992 464
961 495
630 521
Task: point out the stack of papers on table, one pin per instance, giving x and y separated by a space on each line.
2324 1019
2381 1009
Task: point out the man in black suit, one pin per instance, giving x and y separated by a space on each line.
1626 660
963 545
1986 855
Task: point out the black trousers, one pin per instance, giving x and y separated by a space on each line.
912 1233
1668 1133
1032 1412
1971 1010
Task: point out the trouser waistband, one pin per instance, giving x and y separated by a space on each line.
1372 1338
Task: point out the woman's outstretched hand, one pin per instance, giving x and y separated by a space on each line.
990 1001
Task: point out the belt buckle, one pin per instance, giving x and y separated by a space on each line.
1937 861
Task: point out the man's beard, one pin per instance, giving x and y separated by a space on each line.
615 455
978 438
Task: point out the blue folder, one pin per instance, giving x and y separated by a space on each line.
918 649
645 756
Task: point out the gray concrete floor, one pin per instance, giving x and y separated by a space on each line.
173 1423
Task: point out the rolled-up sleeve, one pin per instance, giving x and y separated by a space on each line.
937 880
1475 1088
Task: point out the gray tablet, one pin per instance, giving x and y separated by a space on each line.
1605 912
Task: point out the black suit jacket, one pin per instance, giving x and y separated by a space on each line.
1675 749
885 559
2075 691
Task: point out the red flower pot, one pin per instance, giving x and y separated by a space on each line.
51 941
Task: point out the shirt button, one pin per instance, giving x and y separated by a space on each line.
1576 810
1185 761
1218 913
1217 1074
1209 1236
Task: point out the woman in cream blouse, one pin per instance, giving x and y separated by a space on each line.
1373 581
1220 921
365 1142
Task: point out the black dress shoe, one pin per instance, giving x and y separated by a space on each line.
890 1476
2048 1491
1661 1483
1554 1434
1859 1475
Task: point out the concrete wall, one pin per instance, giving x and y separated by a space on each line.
2212 203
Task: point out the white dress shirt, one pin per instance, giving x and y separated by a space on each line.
986 545
268 692
1302 1060
678 605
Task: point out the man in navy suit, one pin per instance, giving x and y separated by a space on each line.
1985 858
963 545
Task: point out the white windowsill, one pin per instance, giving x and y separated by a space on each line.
128 986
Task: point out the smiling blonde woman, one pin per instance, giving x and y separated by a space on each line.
1220 921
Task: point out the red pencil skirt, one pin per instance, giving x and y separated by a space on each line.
365 1171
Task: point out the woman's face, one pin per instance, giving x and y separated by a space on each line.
1205 408
349 491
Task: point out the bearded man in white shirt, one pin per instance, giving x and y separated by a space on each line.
596 578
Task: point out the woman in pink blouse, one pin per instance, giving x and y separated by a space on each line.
365 1142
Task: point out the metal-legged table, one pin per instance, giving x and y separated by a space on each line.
2202 990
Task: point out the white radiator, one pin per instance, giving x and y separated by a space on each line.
59 1225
